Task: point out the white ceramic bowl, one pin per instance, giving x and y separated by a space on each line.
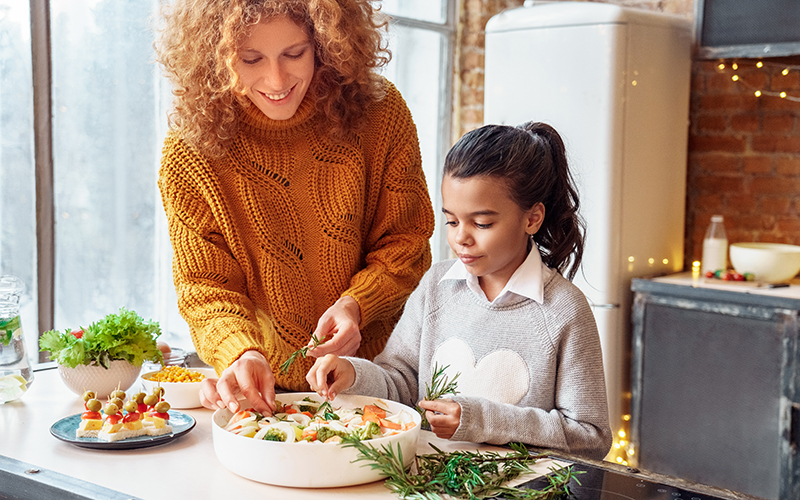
119 375
768 262
308 465
179 395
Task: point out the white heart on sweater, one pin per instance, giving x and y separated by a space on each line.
501 376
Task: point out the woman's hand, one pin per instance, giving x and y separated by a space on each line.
338 328
330 375
249 376
444 415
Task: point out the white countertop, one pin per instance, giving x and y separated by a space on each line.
184 468
688 279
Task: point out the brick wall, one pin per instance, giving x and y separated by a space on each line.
744 151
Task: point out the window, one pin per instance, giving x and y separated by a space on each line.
107 244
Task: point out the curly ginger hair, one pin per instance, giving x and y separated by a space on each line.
198 50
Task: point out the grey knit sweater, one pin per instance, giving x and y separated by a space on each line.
530 372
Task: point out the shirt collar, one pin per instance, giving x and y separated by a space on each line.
527 281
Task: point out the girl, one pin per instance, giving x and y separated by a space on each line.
522 336
292 184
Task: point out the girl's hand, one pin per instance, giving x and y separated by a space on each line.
249 376
338 328
330 375
444 415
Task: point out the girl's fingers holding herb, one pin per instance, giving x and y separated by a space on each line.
444 416
330 375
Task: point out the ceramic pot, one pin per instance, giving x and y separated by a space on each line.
119 375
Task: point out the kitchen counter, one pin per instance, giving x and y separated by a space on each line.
184 468
789 291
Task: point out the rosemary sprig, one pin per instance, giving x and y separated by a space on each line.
327 411
284 369
469 475
440 385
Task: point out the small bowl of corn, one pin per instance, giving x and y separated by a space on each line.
181 385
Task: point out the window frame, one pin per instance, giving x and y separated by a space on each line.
448 29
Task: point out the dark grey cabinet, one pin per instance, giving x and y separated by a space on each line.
715 388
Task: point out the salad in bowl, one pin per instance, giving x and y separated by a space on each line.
305 434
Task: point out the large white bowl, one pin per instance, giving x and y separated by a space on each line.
768 262
308 465
119 375
179 395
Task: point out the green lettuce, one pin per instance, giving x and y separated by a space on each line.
122 336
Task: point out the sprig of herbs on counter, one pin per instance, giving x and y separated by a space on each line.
302 352
461 474
440 386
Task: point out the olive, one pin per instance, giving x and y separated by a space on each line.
150 399
116 401
158 391
94 405
88 395
138 397
118 394
130 406
162 407
111 409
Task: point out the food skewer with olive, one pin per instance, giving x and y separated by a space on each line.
144 414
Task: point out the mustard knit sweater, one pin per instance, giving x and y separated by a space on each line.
269 236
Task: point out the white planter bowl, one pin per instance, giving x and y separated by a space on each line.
308 465
179 395
768 262
119 375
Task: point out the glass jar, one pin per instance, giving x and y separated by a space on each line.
15 370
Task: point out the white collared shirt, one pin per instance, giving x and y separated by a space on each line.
527 281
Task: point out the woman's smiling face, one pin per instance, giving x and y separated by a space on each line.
276 64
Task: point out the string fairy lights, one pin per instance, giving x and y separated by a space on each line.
757 91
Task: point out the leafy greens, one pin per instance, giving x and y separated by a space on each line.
121 336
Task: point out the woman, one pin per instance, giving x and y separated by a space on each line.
292 184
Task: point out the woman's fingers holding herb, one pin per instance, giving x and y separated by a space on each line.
337 330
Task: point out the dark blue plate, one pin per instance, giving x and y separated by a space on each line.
65 429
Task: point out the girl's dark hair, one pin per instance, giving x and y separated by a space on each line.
531 160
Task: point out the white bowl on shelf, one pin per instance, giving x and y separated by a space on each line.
179 395
119 375
767 262
308 465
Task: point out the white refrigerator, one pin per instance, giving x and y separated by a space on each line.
615 83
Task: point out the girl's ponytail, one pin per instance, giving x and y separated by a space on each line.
561 236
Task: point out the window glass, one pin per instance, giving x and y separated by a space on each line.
106 147
17 176
424 10
418 71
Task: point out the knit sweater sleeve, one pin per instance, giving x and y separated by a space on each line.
397 243
394 374
578 423
210 284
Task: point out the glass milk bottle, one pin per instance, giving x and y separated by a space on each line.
15 371
715 246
